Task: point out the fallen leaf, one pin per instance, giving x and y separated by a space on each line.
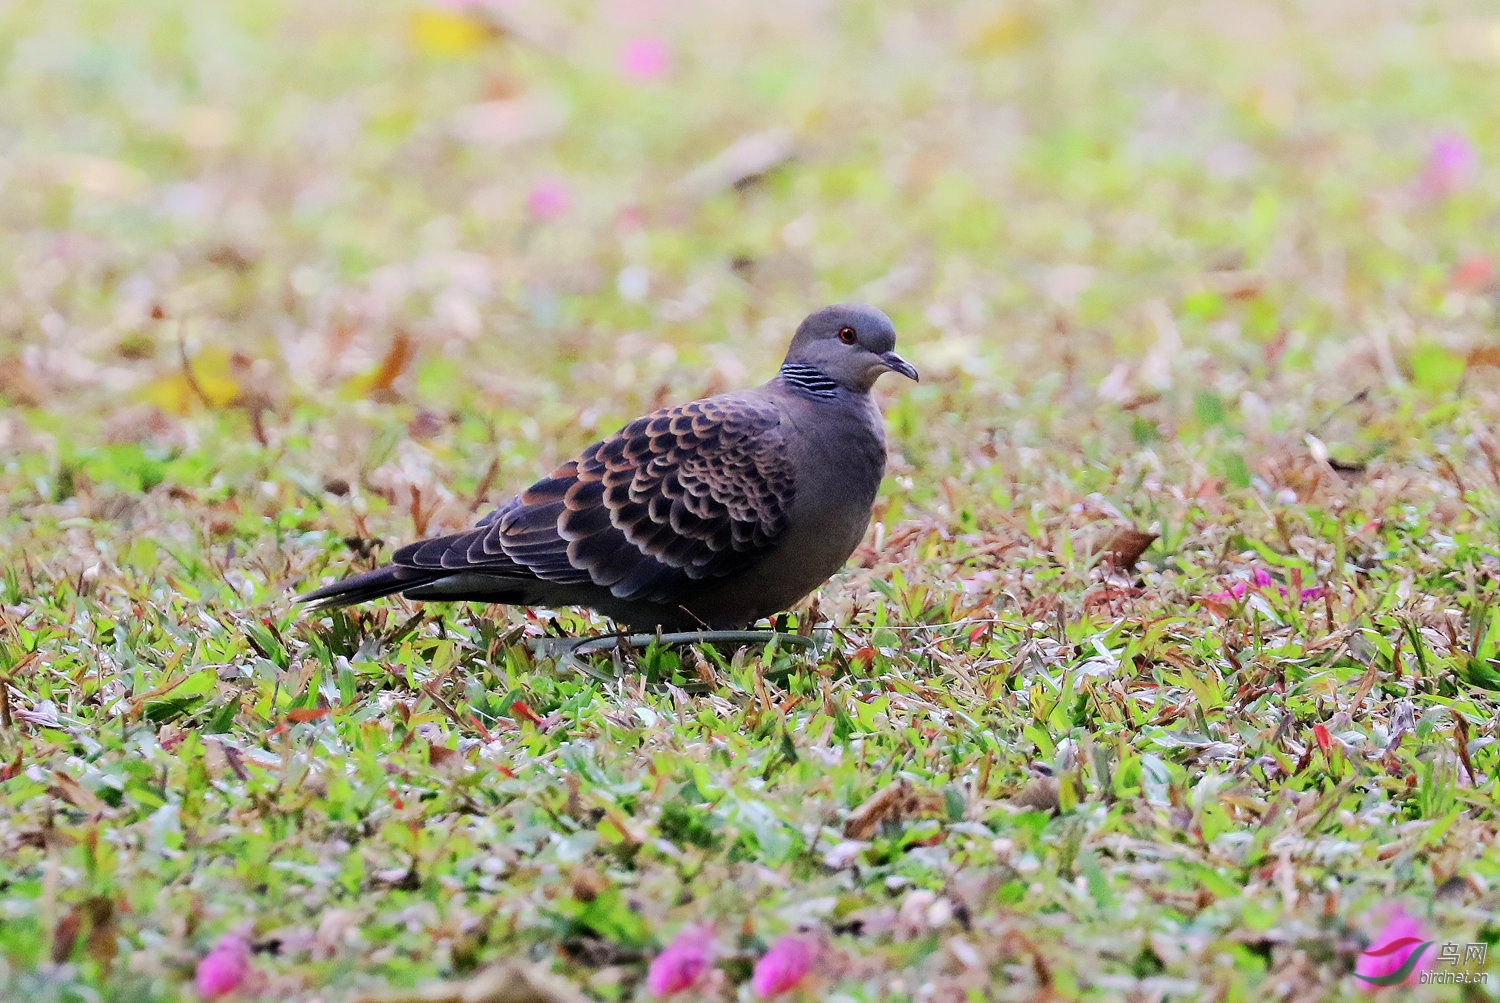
891 804
446 33
398 356
522 710
77 795
1126 545
20 387
441 756
206 379
1461 745
103 941
1009 28
65 936
1484 355
587 884
1042 794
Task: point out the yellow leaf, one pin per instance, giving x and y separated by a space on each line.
446 33
207 379
1008 29
398 356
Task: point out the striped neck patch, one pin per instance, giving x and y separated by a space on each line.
808 379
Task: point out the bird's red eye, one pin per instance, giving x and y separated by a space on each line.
848 335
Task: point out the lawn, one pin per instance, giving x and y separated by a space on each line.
1168 670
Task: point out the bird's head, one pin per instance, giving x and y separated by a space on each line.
851 344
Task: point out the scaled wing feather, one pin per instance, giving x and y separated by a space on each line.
684 494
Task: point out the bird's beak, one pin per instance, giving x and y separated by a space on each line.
897 364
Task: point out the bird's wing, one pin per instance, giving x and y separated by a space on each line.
687 493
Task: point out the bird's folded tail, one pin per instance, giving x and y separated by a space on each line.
369 585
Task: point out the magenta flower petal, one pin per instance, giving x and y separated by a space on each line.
645 59
683 963
1235 592
549 200
784 966
223 969
1391 947
1451 165
1261 579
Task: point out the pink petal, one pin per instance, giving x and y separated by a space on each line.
1401 925
1310 594
549 200
1261 578
977 582
683 963
224 969
645 59
1451 164
783 967
1236 591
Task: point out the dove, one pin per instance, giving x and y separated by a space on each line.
711 514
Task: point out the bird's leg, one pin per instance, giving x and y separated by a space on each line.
568 653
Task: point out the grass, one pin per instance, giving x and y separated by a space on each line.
284 285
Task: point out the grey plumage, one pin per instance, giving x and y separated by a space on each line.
713 513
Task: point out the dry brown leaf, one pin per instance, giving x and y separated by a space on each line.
1236 284
510 982
892 803
1366 683
1042 794
587 884
1461 745
77 795
19 386
104 934
65 936
397 357
1126 545
441 756
1484 355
